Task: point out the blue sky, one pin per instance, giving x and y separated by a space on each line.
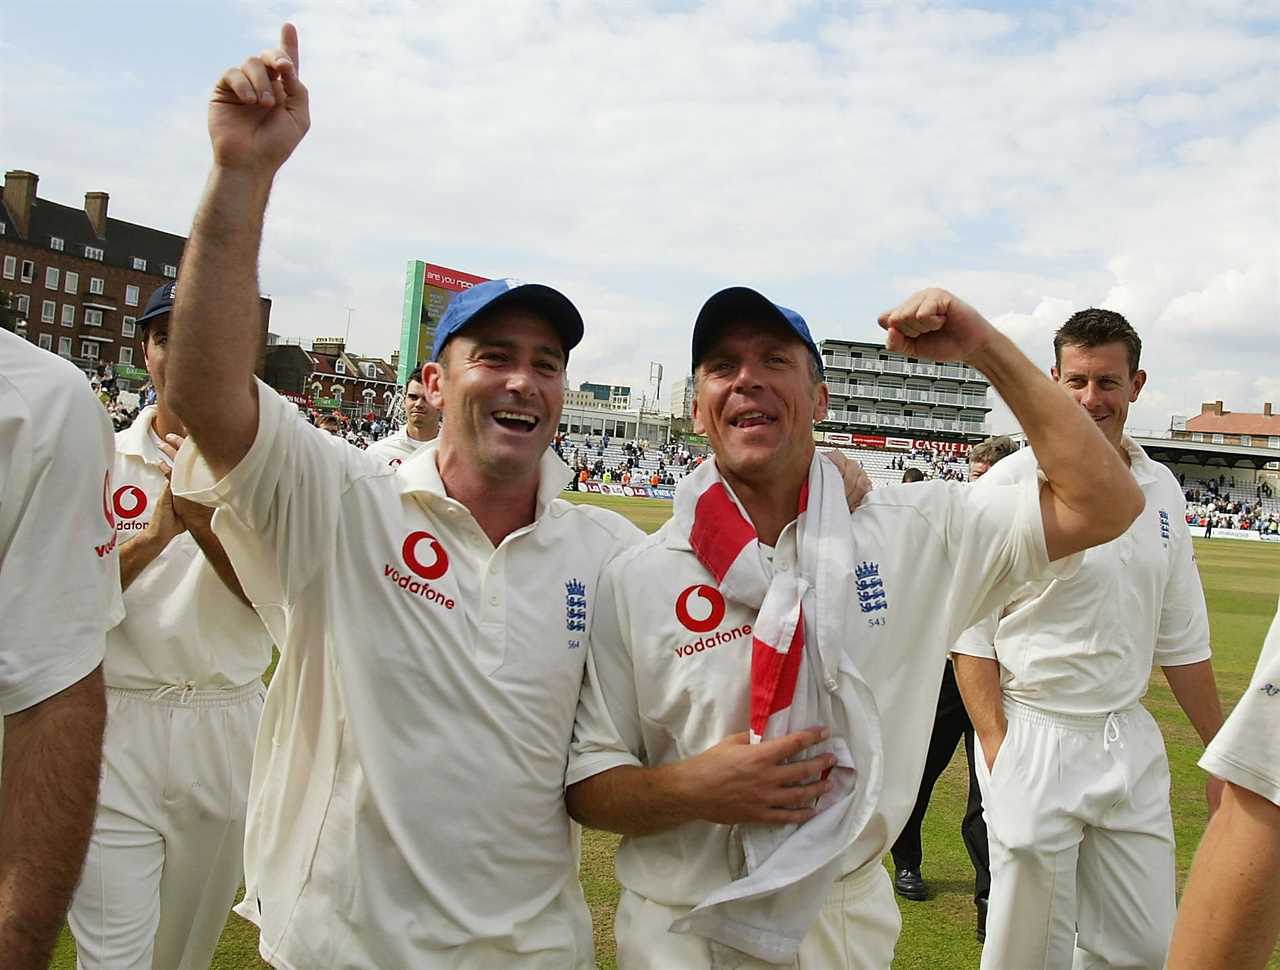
1035 158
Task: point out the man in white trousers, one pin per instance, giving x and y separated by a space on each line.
184 693
421 424
407 800
59 592
763 600
1074 777
1229 918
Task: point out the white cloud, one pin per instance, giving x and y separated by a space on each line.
640 156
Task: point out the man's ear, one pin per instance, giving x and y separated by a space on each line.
433 376
1139 382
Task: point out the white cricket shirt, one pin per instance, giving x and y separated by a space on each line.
1085 645
669 672
395 448
1246 752
182 625
407 801
59 573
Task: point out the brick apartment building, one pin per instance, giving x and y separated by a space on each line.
78 279
329 378
1221 427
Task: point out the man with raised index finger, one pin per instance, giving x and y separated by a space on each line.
804 614
406 808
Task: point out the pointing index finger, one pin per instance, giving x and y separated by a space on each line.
289 41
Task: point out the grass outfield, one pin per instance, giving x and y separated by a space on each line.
1242 582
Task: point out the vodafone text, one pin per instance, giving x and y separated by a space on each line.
415 587
107 548
714 640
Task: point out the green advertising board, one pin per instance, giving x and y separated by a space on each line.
131 373
331 403
428 288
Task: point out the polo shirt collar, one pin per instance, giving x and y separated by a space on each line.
1139 463
136 440
420 475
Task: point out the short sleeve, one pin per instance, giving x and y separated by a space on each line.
1183 636
278 510
59 569
607 733
979 640
1246 751
995 543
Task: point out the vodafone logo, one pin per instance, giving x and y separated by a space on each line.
704 600
394 463
129 501
436 567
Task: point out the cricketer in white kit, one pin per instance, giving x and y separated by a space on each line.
1077 800
422 424
691 625
183 671
1229 917
59 592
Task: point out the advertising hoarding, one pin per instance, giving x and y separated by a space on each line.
428 288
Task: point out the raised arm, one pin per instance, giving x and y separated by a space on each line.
1090 496
258 113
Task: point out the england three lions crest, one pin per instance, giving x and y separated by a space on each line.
871 593
575 607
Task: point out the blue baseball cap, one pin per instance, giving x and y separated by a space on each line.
483 297
161 302
737 302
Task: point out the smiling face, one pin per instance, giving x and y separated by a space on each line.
422 421
501 381
757 400
1100 380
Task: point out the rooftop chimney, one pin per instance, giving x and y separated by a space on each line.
1217 408
95 207
19 195
1266 410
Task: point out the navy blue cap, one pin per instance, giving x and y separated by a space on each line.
161 302
552 304
737 302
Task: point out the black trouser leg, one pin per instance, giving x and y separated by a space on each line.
974 829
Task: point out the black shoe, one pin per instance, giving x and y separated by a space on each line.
909 885
982 920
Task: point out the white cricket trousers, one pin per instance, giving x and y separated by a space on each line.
167 852
856 930
1081 837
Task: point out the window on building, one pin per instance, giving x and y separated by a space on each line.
371 371
68 314
1273 441
28 271
126 355
45 341
1218 439
170 270
139 264
1197 436
48 310
10 267
1246 440
89 348
131 295
339 367
127 328
64 346
24 304
55 243
92 317
95 285
70 282
93 252
51 277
